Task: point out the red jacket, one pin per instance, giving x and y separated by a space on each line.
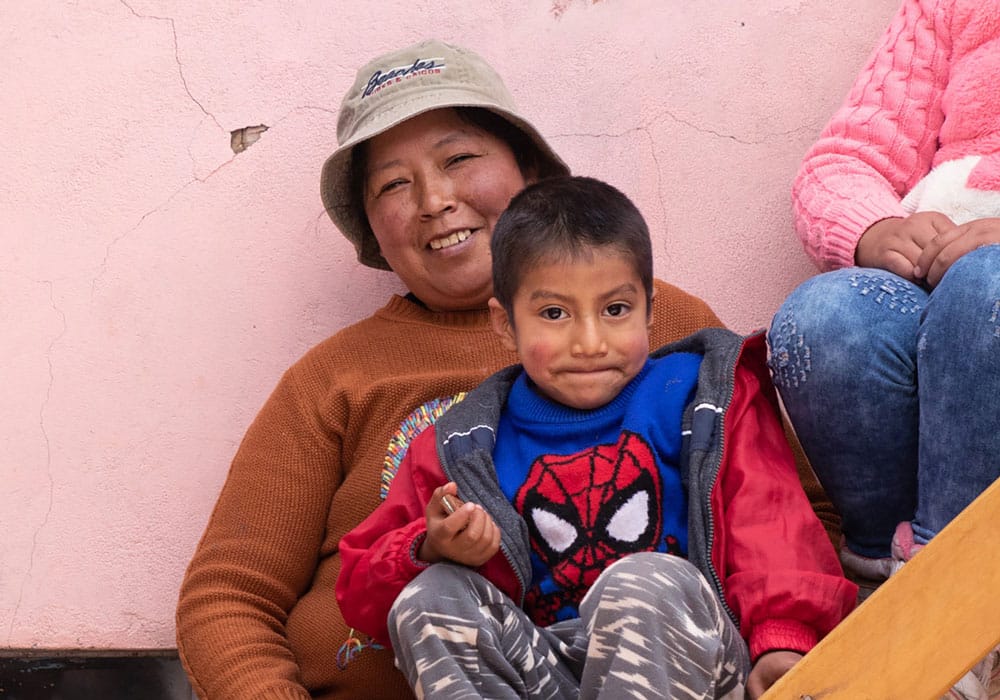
751 530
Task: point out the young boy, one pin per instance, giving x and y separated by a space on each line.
595 522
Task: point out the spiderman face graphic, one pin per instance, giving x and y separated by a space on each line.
588 510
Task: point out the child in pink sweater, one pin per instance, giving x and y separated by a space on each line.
889 363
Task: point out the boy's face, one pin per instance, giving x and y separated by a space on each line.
580 327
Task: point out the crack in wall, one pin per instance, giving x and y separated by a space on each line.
48 458
183 77
316 223
733 137
177 59
644 129
659 180
102 268
702 130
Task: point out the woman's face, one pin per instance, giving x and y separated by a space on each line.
434 188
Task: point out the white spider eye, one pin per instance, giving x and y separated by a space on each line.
632 519
557 533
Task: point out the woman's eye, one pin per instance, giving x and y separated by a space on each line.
553 313
390 186
459 158
617 309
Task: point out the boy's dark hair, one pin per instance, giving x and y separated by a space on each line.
567 216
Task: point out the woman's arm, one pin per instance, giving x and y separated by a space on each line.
880 142
258 555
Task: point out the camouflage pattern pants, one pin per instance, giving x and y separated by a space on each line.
650 627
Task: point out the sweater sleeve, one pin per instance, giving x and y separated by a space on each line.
379 556
781 575
258 554
880 142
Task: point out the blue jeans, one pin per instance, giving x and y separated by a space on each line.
894 392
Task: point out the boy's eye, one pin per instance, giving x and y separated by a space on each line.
553 313
617 309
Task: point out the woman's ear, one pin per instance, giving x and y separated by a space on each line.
502 324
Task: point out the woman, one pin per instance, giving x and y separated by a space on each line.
431 150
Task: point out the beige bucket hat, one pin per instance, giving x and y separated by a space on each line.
400 85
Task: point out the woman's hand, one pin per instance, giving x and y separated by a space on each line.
944 249
461 532
768 669
897 244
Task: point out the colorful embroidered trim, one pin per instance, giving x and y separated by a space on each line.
352 647
422 418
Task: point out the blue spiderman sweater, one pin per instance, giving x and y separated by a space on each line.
596 485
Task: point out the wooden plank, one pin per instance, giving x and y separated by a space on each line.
922 629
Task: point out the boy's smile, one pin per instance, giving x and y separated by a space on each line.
580 326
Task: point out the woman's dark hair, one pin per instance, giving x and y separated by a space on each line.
567 217
529 159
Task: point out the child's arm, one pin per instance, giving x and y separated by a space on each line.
379 556
462 532
879 143
781 576
408 532
768 669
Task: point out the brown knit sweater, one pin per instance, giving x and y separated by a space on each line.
257 617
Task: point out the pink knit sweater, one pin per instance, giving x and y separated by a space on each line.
930 93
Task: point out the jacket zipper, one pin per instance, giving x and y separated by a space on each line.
710 540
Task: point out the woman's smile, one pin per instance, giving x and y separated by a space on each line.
435 187
451 239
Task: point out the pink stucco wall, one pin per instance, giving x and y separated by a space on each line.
153 284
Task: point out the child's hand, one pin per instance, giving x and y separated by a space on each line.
896 244
768 669
944 249
461 532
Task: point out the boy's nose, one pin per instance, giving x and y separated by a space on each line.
589 341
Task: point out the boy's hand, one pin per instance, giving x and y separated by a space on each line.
461 532
768 669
